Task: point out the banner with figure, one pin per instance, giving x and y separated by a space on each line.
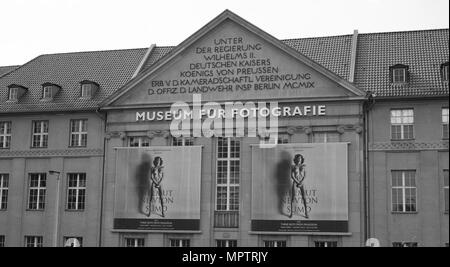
300 188
158 188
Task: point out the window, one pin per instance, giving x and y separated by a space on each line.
404 244
228 172
47 92
226 243
13 94
70 241
2 241
444 72
180 242
40 134
4 184
274 244
33 241
325 244
5 134
283 139
86 90
139 141
78 133
402 124
399 74
326 137
445 123
76 191
134 242
37 187
446 191
404 195
182 141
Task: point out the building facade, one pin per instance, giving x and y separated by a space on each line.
368 113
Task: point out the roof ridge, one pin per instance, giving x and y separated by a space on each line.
303 38
407 31
93 51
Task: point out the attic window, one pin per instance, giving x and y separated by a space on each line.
49 91
15 92
444 72
88 89
399 74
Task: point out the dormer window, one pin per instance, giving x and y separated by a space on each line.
444 72
49 91
399 74
88 89
15 92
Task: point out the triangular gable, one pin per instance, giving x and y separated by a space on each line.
231 59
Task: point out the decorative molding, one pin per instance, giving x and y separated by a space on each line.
408 146
51 153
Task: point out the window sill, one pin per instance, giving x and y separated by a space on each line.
404 213
402 140
77 146
5 148
44 147
74 211
41 210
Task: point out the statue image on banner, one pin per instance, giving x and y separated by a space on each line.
301 187
298 175
154 192
157 188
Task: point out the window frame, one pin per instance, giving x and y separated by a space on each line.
43 136
182 242
38 188
394 73
79 133
135 241
38 241
228 185
47 92
402 244
445 71
13 94
140 142
226 243
185 141
402 124
77 189
6 135
2 241
444 123
403 189
276 243
4 187
326 243
86 88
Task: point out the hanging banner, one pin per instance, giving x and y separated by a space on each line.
300 188
158 188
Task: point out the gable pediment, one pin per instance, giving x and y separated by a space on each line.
230 59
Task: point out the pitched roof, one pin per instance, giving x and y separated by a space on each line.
7 69
423 51
331 52
110 69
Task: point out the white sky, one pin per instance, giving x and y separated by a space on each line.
30 28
